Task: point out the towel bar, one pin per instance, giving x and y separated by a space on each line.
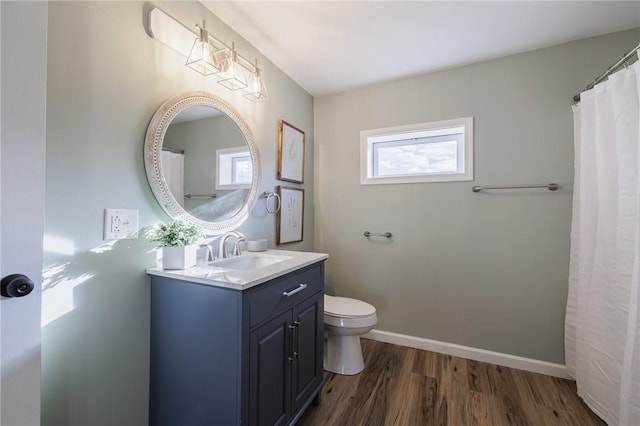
384 234
550 187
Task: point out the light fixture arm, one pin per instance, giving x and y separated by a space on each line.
204 34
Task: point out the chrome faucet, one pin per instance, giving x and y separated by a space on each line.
208 255
222 248
236 249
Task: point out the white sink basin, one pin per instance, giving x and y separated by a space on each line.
249 261
245 271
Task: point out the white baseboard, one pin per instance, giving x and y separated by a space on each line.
506 360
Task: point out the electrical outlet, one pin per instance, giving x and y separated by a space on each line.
120 224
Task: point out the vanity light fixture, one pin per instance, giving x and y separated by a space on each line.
233 74
208 55
203 57
256 91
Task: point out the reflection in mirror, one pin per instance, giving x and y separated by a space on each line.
201 162
212 187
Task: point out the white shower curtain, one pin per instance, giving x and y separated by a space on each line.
602 328
173 170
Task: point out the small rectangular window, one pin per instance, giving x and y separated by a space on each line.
233 168
426 152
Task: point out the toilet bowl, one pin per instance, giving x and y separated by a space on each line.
345 320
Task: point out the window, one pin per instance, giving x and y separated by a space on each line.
428 152
234 168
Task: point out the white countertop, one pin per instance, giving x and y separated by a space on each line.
204 273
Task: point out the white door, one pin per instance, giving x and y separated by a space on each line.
23 78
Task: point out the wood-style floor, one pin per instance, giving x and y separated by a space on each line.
405 386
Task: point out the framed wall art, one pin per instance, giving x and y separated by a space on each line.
290 217
290 153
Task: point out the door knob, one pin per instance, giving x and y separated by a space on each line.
16 285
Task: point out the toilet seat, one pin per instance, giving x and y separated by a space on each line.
344 307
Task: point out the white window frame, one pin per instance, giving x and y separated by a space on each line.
225 158
368 139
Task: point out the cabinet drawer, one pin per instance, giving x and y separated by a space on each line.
271 298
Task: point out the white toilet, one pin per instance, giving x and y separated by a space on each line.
344 321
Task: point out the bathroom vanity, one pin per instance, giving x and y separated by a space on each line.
237 341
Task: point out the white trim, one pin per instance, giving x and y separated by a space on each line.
476 354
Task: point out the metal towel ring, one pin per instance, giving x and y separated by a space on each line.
274 196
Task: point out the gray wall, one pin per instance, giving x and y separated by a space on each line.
486 270
106 77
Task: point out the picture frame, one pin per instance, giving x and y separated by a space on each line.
290 153
290 216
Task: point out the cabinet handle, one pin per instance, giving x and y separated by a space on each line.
296 290
296 352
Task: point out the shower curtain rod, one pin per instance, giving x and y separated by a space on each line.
609 71
174 150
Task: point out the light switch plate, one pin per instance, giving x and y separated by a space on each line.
120 224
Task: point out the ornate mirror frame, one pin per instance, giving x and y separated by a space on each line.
153 164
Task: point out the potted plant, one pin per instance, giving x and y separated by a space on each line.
177 241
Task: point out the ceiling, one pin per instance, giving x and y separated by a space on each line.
333 46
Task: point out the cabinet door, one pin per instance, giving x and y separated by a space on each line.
308 318
270 372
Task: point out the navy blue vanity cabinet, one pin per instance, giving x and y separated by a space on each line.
286 363
222 356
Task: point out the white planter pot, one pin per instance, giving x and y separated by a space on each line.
179 257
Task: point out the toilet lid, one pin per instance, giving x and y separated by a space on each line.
346 307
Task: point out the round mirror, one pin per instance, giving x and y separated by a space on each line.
202 162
